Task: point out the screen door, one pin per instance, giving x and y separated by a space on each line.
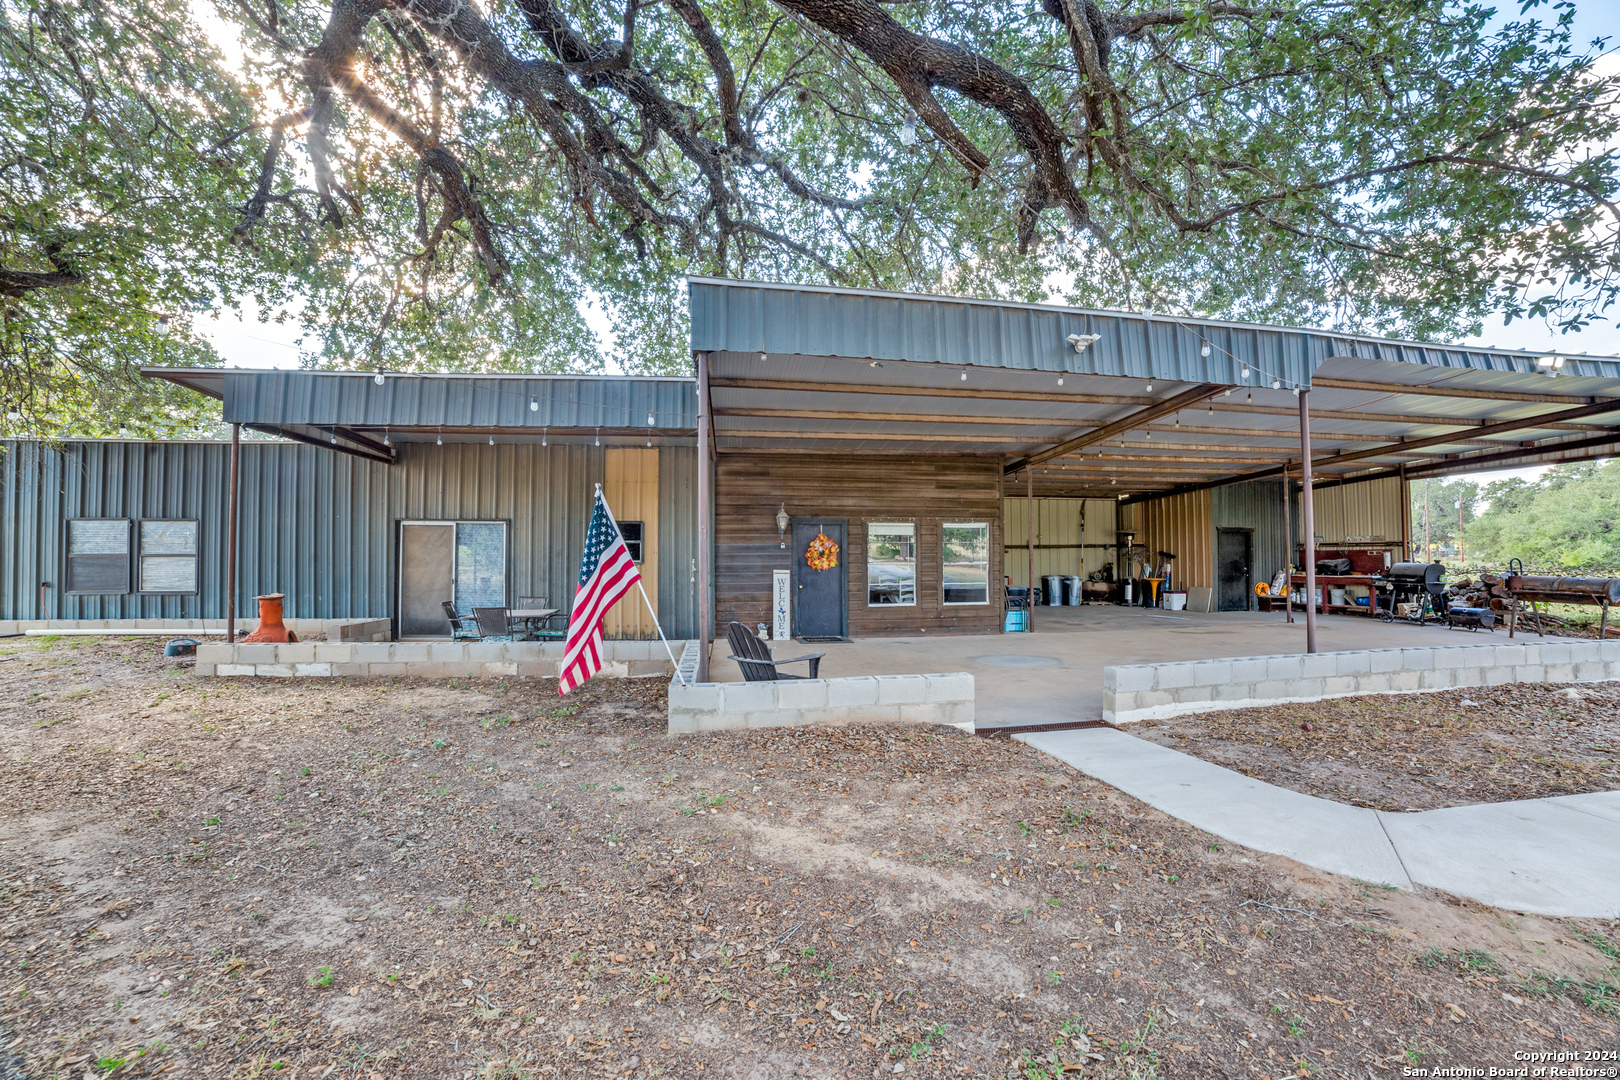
463 562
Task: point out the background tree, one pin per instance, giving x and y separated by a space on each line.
1566 520
442 183
1436 514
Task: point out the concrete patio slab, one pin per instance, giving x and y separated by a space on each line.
1343 839
1055 675
1558 856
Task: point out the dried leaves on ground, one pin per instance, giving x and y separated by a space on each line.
455 878
1419 751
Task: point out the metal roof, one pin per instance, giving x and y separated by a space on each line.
366 412
812 367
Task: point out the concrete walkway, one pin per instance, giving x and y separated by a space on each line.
1538 856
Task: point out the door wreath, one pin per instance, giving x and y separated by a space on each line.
822 554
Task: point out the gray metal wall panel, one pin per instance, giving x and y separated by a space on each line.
349 398
318 525
824 321
1257 505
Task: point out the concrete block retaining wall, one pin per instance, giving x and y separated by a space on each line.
1155 691
532 659
915 699
328 629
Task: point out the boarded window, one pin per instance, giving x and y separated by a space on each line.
168 556
891 563
632 532
966 557
98 555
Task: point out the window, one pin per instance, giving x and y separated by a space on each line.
891 564
98 555
966 555
632 533
480 565
168 557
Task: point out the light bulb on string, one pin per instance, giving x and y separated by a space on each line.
1205 350
908 131
542 437
378 378
440 440
492 440
598 437
1296 391
534 406
1149 389
1060 380
651 420
386 440
1249 396
334 440
1245 371
964 376
1276 384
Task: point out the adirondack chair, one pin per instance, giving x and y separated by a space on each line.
492 624
459 630
754 657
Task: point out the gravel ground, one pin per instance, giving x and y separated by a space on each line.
475 878
1419 751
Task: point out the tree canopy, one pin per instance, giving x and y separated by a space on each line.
1568 519
440 184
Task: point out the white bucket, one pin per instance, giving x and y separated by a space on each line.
1337 596
1175 601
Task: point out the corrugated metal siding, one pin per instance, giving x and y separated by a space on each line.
317 525
1366 513
1183 525
1072 537
1258 506
825 321
677 540
350 398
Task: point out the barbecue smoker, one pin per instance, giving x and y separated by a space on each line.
1536 589
1413 591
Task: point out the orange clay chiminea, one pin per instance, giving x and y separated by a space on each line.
271 628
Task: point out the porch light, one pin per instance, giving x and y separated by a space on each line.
782 520
1081 341
1552 365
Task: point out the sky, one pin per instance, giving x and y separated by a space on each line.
246 337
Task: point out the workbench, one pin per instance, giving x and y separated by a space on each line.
1325 583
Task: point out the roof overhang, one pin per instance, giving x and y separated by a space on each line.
1152 405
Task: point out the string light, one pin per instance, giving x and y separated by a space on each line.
440 440
1060 380
1245 371
334 439
386 441
378 378
763 357
964 376
598 436
651 421
1205 350
542 436
908 131
534 406
492 440
1149 389
1276 384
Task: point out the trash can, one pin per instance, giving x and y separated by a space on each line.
1054 590
1071 591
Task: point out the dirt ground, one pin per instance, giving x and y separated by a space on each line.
454 878
1419 751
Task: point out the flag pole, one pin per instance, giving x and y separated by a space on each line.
656 625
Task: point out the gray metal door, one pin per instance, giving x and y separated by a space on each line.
427 578
1232 574
820 597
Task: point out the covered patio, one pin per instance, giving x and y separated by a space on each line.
1055 675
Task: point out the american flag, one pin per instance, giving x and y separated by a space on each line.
605 574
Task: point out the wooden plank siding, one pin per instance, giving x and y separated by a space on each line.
927 491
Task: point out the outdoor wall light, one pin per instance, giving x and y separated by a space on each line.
1552 365
781 525
1081 341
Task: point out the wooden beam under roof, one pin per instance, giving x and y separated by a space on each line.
933 391
1174 403
1445 390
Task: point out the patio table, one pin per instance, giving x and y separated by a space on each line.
533 619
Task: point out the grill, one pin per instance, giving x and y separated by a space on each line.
1535 589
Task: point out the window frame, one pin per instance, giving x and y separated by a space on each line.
638 547
141 556
915 532
68 556
943 584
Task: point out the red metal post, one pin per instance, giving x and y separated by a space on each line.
230 533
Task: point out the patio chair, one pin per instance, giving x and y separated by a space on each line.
459 630
492 624
754 657
549 630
